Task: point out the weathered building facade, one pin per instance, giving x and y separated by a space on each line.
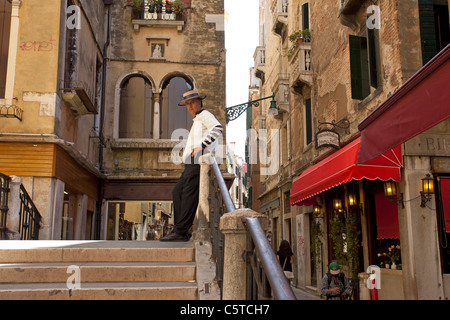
89 107
153 58
327 79
49 132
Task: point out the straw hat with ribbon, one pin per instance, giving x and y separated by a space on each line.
193 94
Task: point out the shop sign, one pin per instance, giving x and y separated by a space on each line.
327 138
428 145
169 157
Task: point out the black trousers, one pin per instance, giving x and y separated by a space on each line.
185 198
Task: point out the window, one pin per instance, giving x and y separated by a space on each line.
443 197
172 115
284 145
5 24
434 28
307 114
364 64
136 108
305 16
287 203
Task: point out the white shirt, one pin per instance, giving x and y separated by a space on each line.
204 133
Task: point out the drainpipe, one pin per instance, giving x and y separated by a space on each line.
98 222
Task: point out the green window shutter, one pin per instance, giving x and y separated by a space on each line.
427 30
373 63
359 67
308 121
305 13
365 78
355 67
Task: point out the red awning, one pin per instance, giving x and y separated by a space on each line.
340 168
419 104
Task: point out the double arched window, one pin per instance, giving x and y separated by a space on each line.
146 113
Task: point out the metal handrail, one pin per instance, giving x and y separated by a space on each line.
278 282
30 217
272 268
229 205
4 192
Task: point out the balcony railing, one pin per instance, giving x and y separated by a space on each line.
260 61
300 62
157 12
10 111
280 16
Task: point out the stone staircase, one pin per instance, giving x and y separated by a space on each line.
115 270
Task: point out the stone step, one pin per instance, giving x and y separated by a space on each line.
98 272
119 270
101 291
94 251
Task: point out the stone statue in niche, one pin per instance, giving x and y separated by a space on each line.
157 51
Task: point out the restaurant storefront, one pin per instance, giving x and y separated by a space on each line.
384 197
347 201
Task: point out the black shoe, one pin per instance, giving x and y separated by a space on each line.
175 237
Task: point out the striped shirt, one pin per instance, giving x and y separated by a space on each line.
204 133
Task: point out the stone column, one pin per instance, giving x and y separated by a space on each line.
58 206
234 269
80 227
201 223
208 288
156 115
13 217
419 238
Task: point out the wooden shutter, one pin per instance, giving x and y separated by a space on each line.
305 15
427 30
372 36
308 121
355 67
5 26
359 68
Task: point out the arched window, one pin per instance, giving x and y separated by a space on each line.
174 116
136 108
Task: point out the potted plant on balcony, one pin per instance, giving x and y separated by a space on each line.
137 5
138 8
158 5
295 36
178 9
151 7
306 35
169 5
300 36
